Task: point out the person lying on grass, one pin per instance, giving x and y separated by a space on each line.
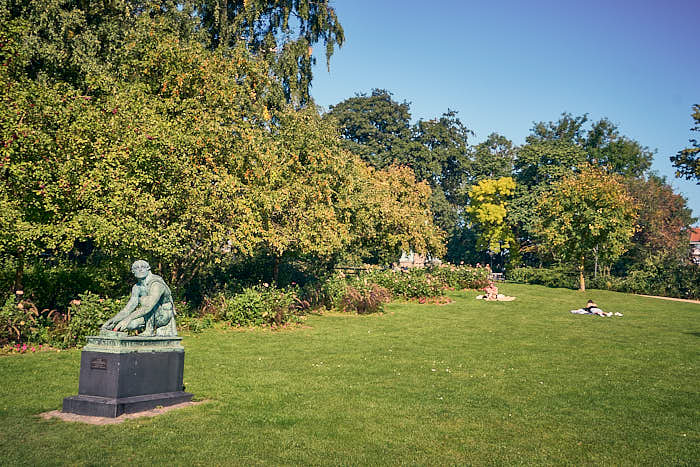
592 309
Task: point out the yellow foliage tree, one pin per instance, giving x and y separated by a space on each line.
487 210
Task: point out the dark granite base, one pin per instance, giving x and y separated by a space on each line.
97 406
119 375
122 374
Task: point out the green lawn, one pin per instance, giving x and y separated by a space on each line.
471 382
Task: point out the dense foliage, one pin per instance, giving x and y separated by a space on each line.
128 135
378 129
687 161
183 133
585 214
660 278
487 211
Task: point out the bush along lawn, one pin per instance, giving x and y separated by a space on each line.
23 326
470 382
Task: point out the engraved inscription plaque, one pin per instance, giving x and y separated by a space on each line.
98 364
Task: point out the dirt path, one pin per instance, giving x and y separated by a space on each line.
71 417
671 298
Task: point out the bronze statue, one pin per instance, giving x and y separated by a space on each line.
150 310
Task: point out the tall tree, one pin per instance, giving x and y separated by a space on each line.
487 210
182 154
392 215
75 40
282 31
492 158
375 127
605 147
554 149
568 129
538 165
379 129
602 143
687 161
663 221
441 158
584 213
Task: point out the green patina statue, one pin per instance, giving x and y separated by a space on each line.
150 310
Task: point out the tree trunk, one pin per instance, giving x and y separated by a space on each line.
19 272
582 287
595 269
173 275
276 269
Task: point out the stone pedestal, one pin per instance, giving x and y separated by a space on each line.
121 374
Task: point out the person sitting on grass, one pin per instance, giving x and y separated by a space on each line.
491 291
493 295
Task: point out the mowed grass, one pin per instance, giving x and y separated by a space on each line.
471 382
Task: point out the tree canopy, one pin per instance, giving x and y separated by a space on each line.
165 148
379 130
586 212
79 41
687 161
487 209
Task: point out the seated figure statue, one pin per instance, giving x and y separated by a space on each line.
150 309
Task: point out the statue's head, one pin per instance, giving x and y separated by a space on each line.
140 268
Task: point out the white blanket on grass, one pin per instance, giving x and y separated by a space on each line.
594 311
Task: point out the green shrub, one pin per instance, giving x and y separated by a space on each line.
365 297
21 321
605 282
659 276
413 283
333 290
195 324
54 282
550 277
260 305
652 277
86 315
461 277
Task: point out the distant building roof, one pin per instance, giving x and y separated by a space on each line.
695 235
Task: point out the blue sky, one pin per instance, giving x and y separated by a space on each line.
504 64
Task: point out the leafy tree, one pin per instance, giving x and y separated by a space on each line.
182 155
663 221
542 162
303 184
376 127
487 209
568 129
75 40
602 144
281 31
606 148
539 164
687 161
441 157
392 215
492 158
555 149
586 212
111 167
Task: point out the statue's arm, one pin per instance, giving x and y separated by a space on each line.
128 308
155 291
